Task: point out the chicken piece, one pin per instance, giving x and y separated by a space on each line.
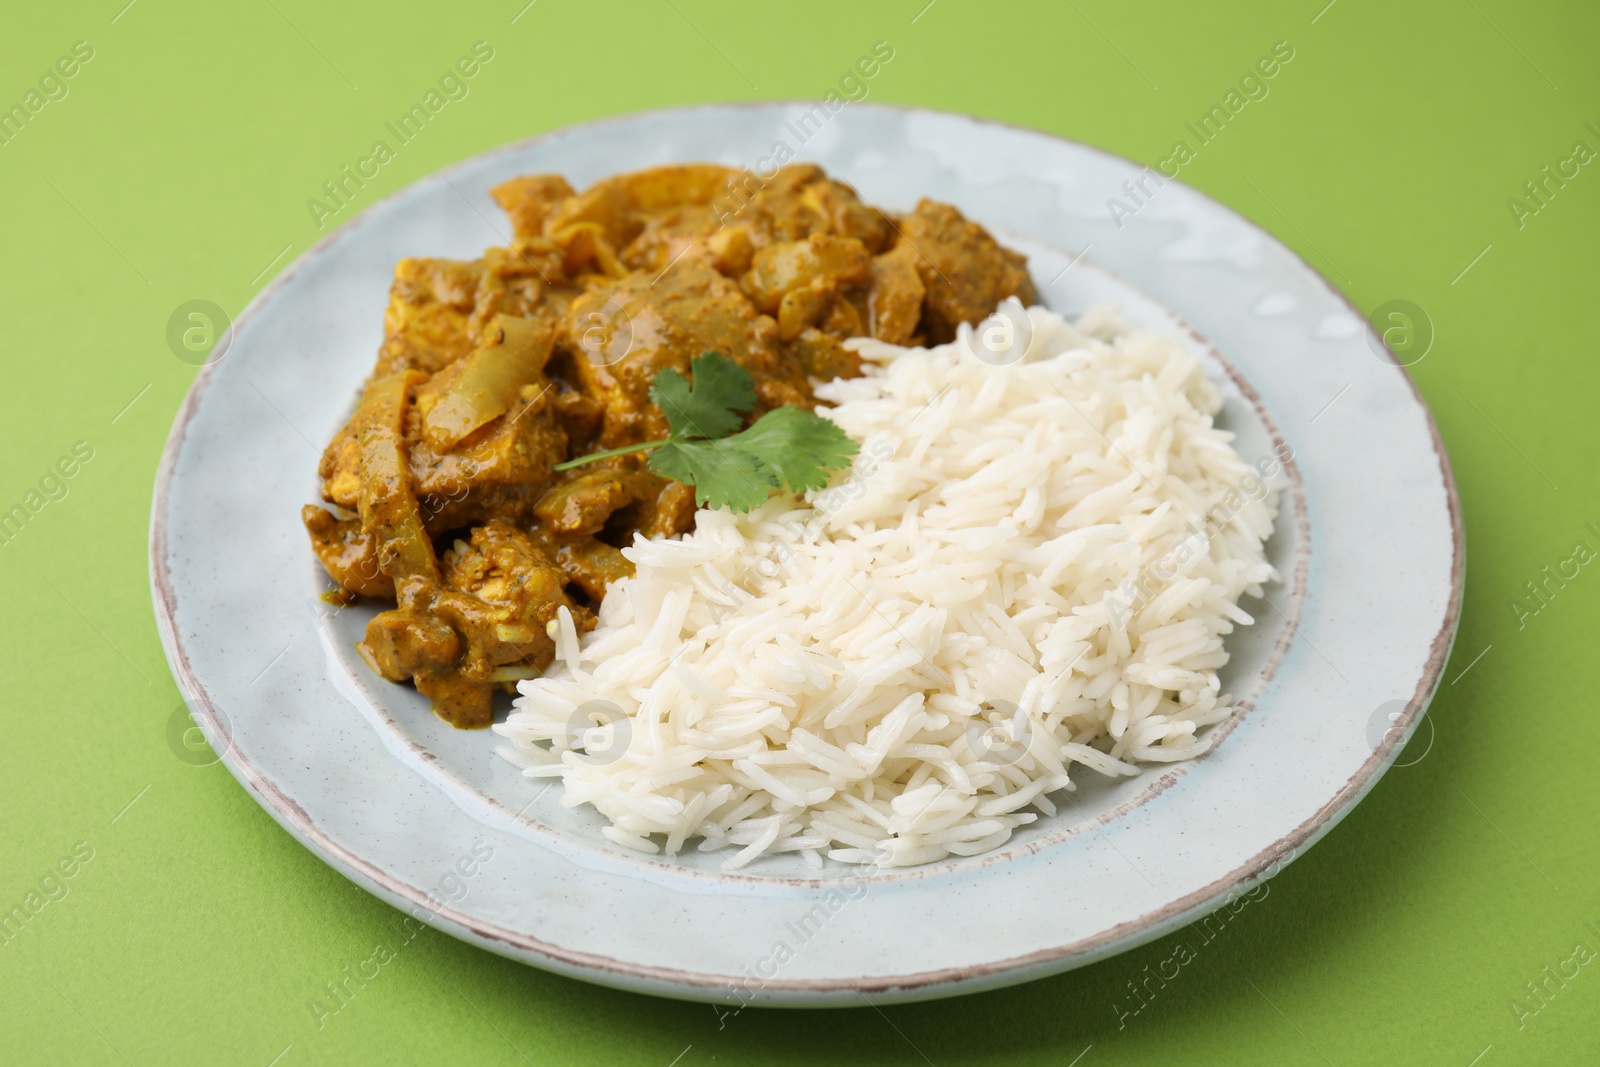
820 262
822 357
668 513
669 237
643 192
425 326
404 642
591 565
499 471
624 333
528 281
650 218
694 216
529 200
412 644
504 592
479 441
802 308
797 201
623 206
484 627
347 551
661 508
846 315
805 283
658 214
965 270
340 466
655 507
510 591
439 309
729 250
586 250
578 414
437 312
776 209
894 302
585 500
846 214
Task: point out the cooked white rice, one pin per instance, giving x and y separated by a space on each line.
1030 567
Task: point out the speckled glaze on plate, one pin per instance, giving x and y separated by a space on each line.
1335 676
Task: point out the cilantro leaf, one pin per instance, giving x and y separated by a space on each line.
713 406
723 475
788 447
800 447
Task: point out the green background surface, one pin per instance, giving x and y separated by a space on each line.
178 168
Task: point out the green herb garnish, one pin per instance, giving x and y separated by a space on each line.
788 447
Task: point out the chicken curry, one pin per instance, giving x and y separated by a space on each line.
439 492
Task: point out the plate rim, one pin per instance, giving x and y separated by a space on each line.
641 976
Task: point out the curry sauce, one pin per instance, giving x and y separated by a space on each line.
439 492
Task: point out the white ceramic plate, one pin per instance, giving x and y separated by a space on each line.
1335 676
